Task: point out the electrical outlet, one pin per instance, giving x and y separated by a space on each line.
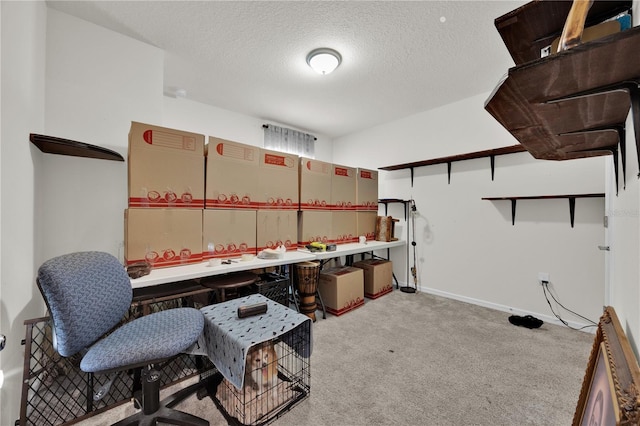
543 277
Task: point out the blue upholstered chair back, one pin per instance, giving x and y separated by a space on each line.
87 294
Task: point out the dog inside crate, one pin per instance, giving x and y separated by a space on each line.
275 377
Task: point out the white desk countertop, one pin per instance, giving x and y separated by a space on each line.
354 248
202 269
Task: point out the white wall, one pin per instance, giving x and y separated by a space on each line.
195 117
97 83
22 112
624 218
466 247
624 215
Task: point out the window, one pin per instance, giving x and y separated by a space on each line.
288 140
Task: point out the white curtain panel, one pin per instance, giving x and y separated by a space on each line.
288 140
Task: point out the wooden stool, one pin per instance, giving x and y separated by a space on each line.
232 281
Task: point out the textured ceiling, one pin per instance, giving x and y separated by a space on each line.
399 58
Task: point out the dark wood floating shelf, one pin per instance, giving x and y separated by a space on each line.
570 197
53 145
574 103
491 153
533 26
387 201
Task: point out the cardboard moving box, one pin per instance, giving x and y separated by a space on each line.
228 233
342 289
163 237
315 184
367 224
277 180
343 187
344 227
276 228
231 175
378 277
166 167
367 190
314 226
593 33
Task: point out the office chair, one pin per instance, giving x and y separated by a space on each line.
88 294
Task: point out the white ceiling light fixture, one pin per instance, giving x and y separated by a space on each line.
324 60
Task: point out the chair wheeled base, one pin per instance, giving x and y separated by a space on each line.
154 411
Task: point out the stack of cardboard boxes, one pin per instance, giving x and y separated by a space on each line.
344 288
366 202
189 202
251 199
337 203
163 224
314 218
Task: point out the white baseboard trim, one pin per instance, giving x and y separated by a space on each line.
546 318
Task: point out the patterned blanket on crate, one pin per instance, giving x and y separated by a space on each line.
226 338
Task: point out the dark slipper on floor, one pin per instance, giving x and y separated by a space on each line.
527 321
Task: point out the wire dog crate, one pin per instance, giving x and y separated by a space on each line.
277 377
55 391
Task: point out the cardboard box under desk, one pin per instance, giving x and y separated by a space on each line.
163 237
315 184
277 180
367 190
228 233
342 289
165 167
378 277
275 228
232 175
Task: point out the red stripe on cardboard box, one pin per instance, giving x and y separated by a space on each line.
385 290
232 204
278 204
320 205
161 262
163 203
350 307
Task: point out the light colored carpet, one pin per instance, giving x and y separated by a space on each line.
419 359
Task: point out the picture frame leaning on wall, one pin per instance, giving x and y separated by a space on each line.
610 393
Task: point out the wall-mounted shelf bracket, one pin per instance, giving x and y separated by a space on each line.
513 211
492 158
387 201
621 146
623 157
633 89
570 197
572 210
